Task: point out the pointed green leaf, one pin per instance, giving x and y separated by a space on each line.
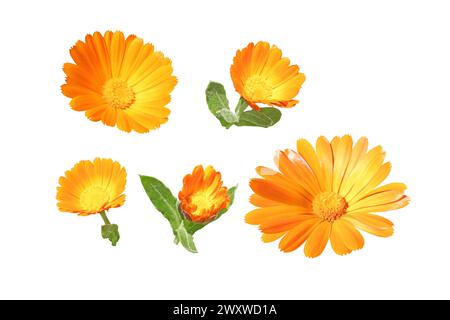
185 238
163 200
217 101
266 117
111 232
193 227
167 204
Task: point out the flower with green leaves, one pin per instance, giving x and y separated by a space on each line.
202 200
261 76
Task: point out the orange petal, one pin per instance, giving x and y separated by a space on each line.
378 178
297 236
285 181
277 227
342 155
318 239
308 153
289 170
303 170
285 103
270 237
376 200
275 192
86 102
359 150
364 171
259 201
325 155
337 241
260 215
371 223
395 186
348 234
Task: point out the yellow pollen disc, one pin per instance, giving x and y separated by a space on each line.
93 198
329 206
202 200
118 94
256 88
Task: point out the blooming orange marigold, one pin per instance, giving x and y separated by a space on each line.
261 75
203 195
325 194
92 187
120 81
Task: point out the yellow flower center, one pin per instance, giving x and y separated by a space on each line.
256 88
202 200
93 198
118 94
329 206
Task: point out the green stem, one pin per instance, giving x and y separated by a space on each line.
240 107
109 231
104 217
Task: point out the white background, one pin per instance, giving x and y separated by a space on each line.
374 68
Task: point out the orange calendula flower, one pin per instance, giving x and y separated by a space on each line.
261 75
203 195
325 194
120 81
92 187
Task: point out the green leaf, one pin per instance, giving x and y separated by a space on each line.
231 193
266 117
193 227
163 200
217 101
167 204
185 238
111 232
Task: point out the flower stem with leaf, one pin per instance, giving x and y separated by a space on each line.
165 202
110 231
218 105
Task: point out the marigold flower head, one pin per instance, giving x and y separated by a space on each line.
92 187
325 194
203 195
120 81
261 75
